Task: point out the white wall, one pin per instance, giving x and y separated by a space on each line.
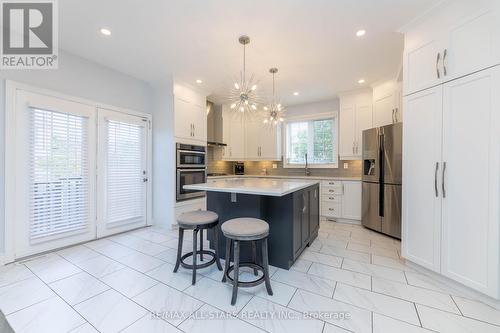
77 77
163 153
312 108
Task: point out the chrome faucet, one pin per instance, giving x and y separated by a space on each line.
306 169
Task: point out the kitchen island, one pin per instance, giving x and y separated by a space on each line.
291 207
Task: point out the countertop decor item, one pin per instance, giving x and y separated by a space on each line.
243 97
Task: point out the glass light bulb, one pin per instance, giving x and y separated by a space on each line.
254 87
236 85
281 119
246 102
242 109
254 107
265 108
233 106
265 121
275 122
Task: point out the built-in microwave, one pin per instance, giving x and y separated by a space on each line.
191 169
191 156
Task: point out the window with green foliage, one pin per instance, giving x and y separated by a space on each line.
314 138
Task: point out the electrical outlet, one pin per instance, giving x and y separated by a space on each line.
346 165
275 166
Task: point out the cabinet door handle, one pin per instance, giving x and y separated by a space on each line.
393 116
445 53
437 65
443 187
436 180
396 114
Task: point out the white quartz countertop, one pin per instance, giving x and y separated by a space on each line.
253 185
285 177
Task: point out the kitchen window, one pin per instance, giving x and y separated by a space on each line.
314 136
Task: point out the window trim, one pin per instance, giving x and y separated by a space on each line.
312 117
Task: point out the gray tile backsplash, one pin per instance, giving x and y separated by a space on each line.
257 167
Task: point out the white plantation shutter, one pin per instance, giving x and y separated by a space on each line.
125 165
59 173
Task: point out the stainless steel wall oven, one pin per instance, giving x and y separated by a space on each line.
191 169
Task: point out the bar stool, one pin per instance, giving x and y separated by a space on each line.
246 229
198 220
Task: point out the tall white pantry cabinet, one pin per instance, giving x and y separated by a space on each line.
451 144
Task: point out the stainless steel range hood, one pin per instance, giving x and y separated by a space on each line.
214 125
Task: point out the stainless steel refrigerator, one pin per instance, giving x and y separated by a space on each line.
382 175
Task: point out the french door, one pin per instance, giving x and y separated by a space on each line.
54 173
122 172
78 172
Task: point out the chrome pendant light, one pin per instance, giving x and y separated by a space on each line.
274 112
243 97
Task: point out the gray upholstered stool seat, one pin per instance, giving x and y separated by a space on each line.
197 221
197 217
245 228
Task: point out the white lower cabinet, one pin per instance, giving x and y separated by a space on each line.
341 199
451 180
351 203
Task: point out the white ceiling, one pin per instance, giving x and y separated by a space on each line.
312 42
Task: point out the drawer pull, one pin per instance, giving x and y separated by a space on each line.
331 209
331 198
331 191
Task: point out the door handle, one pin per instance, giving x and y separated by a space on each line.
437 65
436 180
393 116
445 53
443 187
396 110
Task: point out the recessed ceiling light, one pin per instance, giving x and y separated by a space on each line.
361 81
296 93
361 32
199 81
105 32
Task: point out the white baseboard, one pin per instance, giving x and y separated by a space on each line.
341 220
460 289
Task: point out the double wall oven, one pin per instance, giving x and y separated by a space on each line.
191 169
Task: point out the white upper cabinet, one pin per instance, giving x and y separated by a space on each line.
270 142
262 141
190 114
386 104
355 116
233 135
457 38
249 139
252 139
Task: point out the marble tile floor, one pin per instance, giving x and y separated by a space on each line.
350 279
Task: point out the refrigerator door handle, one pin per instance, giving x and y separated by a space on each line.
436 180
442 183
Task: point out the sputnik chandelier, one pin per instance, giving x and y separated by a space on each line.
243 97
274 112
